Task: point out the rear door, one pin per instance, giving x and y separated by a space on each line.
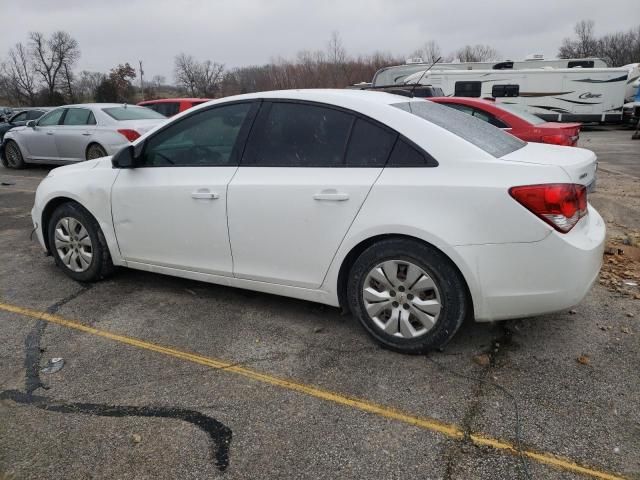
75 134
306 170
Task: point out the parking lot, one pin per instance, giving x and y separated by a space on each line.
170 378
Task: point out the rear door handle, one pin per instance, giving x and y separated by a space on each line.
331 195
86 134
49 133
204 195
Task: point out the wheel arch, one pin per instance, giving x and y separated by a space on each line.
356 250
90 144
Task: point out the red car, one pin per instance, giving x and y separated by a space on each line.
516 121
172 106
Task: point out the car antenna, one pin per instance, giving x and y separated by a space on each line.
423 74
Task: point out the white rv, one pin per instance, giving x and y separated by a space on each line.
394 75
633 82
562 95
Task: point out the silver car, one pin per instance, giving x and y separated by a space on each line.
74 133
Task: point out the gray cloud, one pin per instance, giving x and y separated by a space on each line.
243 32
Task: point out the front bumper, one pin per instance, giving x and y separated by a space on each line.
519 280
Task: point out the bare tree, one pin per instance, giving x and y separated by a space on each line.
477 53
87 83
429 52
584 45
51 55
186 73
199 79
19 75
158 81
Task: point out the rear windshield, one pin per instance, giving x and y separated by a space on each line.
131 113
521 113
481 134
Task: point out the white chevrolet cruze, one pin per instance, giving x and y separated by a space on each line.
410 214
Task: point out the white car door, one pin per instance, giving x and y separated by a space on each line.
74 134
305 173
171 210
39 141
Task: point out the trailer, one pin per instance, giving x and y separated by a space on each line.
555 95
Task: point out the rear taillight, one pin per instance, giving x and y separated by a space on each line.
129 134
557 139
561 205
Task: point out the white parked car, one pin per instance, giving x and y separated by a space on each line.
412 215
75 133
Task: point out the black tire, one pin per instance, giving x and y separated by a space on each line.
453 295
12 156
95 151
101 265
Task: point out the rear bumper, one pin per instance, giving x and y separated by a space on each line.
519 280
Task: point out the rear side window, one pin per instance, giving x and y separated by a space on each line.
369 145
130 112
468 89
505 91
168 109
78 116
406 155
298 135
481 134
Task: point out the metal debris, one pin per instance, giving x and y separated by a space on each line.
54 365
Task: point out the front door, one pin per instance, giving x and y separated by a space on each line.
172 209
40 141
305 173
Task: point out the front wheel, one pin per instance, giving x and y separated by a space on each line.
407 295
77 244
12 157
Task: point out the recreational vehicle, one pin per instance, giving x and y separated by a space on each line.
562 95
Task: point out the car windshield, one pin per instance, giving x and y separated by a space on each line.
477 132
131 113
521 113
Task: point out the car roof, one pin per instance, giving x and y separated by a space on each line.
98 105
169 100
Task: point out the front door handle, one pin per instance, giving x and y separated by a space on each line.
49 133
331 195
204 195
86 134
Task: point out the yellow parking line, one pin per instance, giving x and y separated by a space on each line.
447 429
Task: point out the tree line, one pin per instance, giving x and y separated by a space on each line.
41 71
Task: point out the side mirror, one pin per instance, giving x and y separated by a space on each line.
31 124
128 156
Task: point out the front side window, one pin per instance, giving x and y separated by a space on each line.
298 135
51 118
468 89
168 109
78 116
484 136
206 138
34 114
21 117
130 112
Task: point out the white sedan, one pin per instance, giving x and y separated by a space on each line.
74 133
411 215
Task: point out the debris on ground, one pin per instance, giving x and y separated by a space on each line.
135 438
572 312
583 359
482 359
54 365
621 267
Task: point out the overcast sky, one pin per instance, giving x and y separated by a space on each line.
244 32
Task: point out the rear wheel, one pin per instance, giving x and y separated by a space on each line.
12 157
95 151
407 295
77 244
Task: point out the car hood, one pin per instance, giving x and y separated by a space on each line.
579 163
104 162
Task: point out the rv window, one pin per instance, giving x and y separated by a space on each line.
468 89
503 65
505 91
581 63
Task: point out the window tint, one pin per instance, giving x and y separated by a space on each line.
484 136
51 118
505 91
298 135
204 139
581 63
131 113
77 116
406 155
484 116
168 109
468 89
369 145
34 114
21 117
